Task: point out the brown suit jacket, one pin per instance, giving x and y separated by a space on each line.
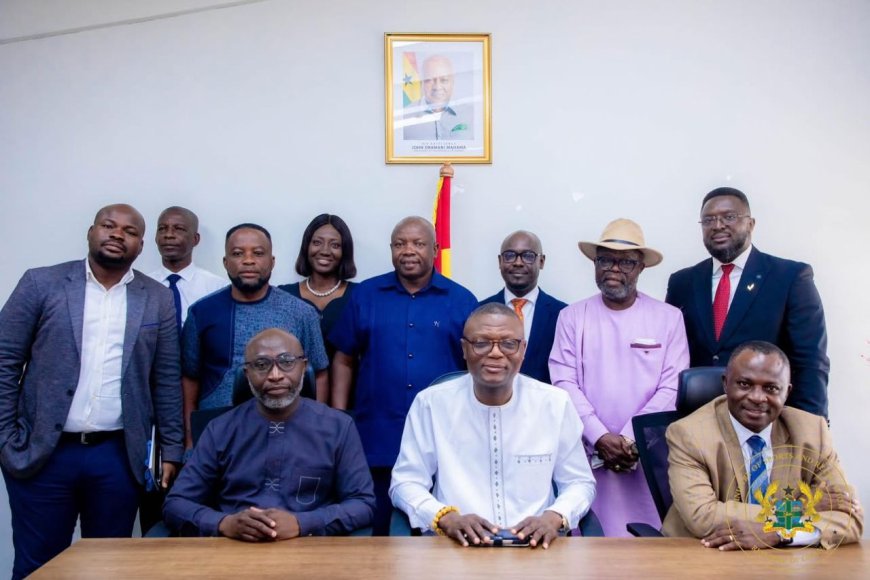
708 476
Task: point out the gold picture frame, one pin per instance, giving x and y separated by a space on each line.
438 98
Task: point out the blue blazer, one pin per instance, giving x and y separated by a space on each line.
540 341
40 358
777 301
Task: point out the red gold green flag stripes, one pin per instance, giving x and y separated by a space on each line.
441 221
410 79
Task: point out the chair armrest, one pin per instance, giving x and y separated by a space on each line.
159 530
590 526
640 530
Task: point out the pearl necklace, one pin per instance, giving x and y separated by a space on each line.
321 294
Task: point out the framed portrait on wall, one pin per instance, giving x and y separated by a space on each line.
438 98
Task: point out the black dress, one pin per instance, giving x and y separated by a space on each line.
329 315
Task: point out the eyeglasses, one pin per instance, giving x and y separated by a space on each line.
626 266
729 219
510 256
263 365
507 346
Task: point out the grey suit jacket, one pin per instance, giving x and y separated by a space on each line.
40 356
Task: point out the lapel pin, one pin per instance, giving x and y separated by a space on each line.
751 286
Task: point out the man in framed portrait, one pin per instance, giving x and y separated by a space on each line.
437 115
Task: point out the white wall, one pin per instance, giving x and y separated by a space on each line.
273 112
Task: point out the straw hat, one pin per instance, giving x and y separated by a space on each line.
622 234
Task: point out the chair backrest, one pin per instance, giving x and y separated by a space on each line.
447 377
241 388
202 417
652 447
697 387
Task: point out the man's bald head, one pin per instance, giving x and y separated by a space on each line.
275 367
413 248
272 338
189 217
177 234
417 221
135 216
115 239
520 261
438 81
531 239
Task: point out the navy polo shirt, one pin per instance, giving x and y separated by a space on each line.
404 341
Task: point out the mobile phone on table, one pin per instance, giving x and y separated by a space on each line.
505 539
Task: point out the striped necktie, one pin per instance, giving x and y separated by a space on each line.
758 479
518 304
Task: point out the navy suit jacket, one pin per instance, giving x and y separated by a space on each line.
40 359
777 301
540 341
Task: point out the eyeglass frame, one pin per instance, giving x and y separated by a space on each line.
729 219
520 255
492 343
598 259
276 361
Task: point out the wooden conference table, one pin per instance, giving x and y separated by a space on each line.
432 557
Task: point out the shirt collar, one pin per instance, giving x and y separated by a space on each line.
532 296
89 275
438 281
743 434
739 261
512 402
185 273
447 109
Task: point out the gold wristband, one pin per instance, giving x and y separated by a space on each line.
441 513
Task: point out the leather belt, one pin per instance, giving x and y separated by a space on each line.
91 438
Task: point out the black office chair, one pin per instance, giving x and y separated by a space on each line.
696 387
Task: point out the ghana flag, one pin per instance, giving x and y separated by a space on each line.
410 79
441 220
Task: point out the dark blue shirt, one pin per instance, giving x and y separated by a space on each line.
404 341
218 328
311 465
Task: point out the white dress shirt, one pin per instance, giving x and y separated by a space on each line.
195 283
497 462
96 404
767 454
739 265
528 308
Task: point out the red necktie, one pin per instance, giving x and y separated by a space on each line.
518 304
720 301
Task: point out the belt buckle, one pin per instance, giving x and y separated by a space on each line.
84 438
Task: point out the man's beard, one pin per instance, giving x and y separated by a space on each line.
279 403
250 287
110 262
619 294
727 254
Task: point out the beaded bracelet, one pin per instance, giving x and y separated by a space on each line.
441 513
